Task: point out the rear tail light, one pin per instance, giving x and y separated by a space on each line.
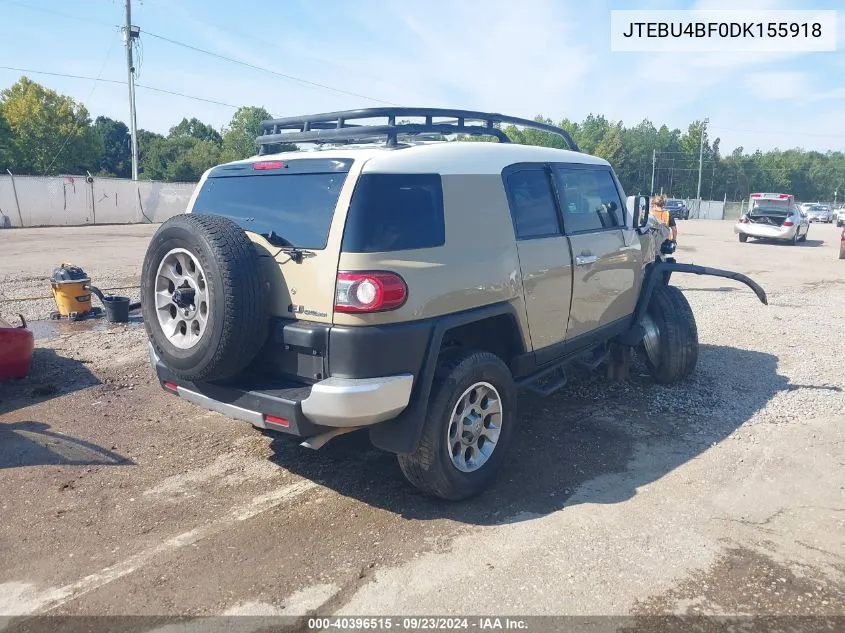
788 223
369 292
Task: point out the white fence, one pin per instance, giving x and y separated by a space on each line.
80 200
706 209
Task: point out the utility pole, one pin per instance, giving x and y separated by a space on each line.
653 163
700 158
130 33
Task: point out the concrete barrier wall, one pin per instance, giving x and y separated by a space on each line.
74 201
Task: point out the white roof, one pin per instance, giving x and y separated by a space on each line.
454 157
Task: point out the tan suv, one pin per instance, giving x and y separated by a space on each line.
394 281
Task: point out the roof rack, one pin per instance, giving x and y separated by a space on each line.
335 127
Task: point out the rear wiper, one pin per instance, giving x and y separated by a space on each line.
294 252
275 239
297 254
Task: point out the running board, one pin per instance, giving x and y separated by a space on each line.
532 383
597 358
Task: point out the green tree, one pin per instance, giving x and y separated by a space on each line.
178 158
145 141
7 144
184 154
239 137
116 159
194 128
52 133
192 160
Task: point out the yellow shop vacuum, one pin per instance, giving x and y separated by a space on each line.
72 293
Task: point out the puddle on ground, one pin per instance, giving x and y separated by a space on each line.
59 327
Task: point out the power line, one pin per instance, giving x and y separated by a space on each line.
252 38
117 81
64 15
90 94
267 70
212 54
779 132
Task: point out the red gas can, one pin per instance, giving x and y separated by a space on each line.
16 346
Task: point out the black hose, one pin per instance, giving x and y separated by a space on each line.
101 297
97 292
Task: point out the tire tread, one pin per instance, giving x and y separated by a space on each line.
679 335
245 316
422 467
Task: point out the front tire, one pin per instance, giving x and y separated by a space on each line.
743 237
469 427
670 346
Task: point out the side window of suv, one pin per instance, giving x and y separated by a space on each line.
395 212
589 199
532 202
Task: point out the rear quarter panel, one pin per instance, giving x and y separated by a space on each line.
477 266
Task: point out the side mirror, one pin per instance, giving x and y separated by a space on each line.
638 206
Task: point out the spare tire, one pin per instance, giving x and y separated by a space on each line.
201 296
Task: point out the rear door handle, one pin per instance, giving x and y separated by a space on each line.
584 260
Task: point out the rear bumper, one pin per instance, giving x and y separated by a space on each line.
295 407
765 231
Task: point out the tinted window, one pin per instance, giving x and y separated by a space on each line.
395 212
532 203
296 208
589 199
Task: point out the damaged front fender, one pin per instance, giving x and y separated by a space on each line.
660 271
716 272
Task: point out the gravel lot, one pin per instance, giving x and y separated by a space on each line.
725 495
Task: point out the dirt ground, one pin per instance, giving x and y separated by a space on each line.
722 496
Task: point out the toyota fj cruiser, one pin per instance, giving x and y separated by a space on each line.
392 281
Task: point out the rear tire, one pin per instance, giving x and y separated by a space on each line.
433 467
743 237
670 349
226 324
795 239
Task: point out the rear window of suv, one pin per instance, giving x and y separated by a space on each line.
395 212
291 206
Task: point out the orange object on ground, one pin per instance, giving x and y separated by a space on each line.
16 347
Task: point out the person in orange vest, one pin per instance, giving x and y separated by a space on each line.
659 212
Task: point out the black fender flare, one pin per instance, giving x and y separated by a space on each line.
662 271
402 434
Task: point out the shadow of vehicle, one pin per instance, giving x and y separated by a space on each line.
601 440
719 289
32 444
50 376
806 243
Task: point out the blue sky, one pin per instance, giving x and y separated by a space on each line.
521 58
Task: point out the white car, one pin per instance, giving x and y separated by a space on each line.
819 213
839 217
773 217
